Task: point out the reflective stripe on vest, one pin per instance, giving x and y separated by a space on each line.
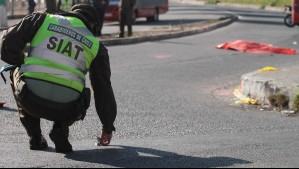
66 5
61 52
58 58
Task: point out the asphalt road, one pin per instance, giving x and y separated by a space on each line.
176 107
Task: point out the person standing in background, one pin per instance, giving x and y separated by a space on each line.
100 6
126 9
65 5
51 6
31 6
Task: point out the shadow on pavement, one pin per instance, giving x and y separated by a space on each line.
9 109
137 157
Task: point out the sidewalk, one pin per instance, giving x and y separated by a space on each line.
170 33
278 89
164 32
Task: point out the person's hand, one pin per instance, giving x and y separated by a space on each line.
104 140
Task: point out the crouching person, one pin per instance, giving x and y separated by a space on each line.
49 83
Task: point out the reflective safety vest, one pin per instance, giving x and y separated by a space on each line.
66 5
61 52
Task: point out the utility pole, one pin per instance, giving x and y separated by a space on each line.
3 14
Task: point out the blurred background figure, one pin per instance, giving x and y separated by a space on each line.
31 6
88 2
65 5
126 9
100 6
76 2
51 6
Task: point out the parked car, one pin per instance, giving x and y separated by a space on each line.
150 9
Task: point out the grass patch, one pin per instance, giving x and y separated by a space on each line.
296 103
213 2
279 101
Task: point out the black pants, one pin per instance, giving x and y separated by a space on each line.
32 108
30 10
101 15
126 18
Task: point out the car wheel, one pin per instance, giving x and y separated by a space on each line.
288 21
154 18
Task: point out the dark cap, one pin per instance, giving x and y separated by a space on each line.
89 12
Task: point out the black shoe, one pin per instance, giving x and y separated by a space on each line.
62 144
38 143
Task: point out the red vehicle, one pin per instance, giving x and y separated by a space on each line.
151 9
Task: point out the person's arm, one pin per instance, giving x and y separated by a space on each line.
15 39
105 103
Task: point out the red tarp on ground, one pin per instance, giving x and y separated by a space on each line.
253 47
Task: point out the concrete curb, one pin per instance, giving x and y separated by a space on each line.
134 40
268 88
